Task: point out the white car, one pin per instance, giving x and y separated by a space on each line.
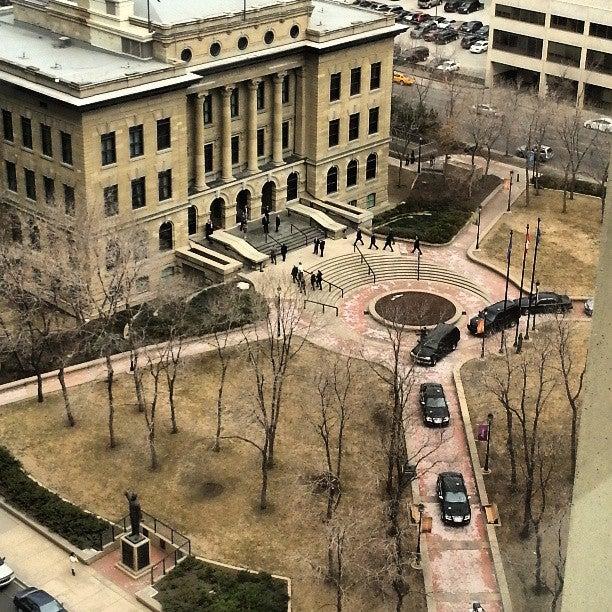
480 47
448 66
7 575
486 109
603 124
444 25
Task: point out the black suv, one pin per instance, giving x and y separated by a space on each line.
546 301
436 343
454 500
469 7
496 317
469 40
417 54
470 27
433 404
452 5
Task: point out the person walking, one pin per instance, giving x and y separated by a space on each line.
320 279
373 244
302 282
315 246
294 273
300 268
208 230
412 157
267 214
73 563
432 159
283 251
358 237
417 245
265 223
277 223
321 247
273 256
313 281
389 242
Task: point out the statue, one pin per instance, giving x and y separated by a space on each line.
135 512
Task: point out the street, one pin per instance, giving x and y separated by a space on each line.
6 595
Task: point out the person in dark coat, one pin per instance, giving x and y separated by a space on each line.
208 230
321 247
373 244
277 222
358 237
265 223
283 251
315 246
273 256
417 245
412 157
243 225
294 273
319 279
389 242
313 281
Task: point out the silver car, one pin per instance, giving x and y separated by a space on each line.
588 307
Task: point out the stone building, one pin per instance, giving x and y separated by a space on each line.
155 116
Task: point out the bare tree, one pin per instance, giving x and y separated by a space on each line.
156 360
559 569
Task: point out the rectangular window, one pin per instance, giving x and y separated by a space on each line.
69 200
566 23
261 142
136 48
519 14
375 75
355 81
373 120
66 141
164 183
46 141
11 176
26 133
597 29
235 150
261 95
559 53
208 111
30 182
136 135
49 187
108 149
111 8
285 89
334 132
285 135
234 103
164 134
111 200
371 200
7 125
517 43
599 61
353 131
208 157
335 86
139 197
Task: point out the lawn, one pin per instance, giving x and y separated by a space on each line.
569 250
212 497
519 555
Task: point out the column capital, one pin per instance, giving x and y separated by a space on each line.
226 90
202 94
279 76
252 84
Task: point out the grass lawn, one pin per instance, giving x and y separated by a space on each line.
398 190
568 253
519 555
213 497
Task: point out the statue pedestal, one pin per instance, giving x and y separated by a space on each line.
135 555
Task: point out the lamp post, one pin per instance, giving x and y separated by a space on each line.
535 303
490 424
518 319
510 188
419 163
278 317
421 508
508 257
478 230
533 269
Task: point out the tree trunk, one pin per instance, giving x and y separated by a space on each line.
510 447
263 497
573 184
111 404
138 384
488 160
564 209
217 446
528 495
153 450
540 587
39 387
527 187
172 406
62 381
574 440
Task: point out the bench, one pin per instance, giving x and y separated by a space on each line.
492 514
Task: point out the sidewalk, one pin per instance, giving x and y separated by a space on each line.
38 562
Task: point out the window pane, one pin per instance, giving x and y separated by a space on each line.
138 193
375 76
69 200
136 141
335 82
66 148
163 134
111 200
26 133
107 144
46 141
7 125
355 81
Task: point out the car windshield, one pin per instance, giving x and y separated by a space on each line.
51 606
436 402
457 497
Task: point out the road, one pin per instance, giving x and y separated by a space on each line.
6 595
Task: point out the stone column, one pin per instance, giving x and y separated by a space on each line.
252 127
226 134
277 119
300 112
200 161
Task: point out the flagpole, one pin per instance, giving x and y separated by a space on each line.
533 268
149 14
509 255
518 320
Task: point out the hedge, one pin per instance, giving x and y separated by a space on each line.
553 181
80 528
195 585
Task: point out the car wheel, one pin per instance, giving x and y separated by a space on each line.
433 361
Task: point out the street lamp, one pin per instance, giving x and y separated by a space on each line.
535 303
490 423
278 317
510 188
478 230
419 163
421 509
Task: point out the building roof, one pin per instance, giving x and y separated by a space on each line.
329 16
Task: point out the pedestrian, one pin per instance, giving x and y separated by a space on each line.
208 230
273 256
389 241
283 251
73 562
243 225
313 281
277 222
432 159
373 244
294 273
300 268
320 279
412 157
358 237
267 215
315 246
265 223
417 245
302 283
321 247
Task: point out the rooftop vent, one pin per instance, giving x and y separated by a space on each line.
64 41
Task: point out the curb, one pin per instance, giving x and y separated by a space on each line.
481 488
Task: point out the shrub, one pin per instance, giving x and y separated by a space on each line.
554 181
196 585
80 528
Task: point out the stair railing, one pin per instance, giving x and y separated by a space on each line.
291 227
364 260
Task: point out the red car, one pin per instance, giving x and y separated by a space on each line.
420 17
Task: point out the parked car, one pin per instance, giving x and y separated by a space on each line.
545 302
480 46
418 54
454 500
452 5
496 317
469 40
425 4
417 32
421 17
469 7
403 79
445 36
435 344
431 34
7 575
546 153
448 24
397 10
37 600
483 32
603 124
470 27
433 404
486 109
588 307
448 66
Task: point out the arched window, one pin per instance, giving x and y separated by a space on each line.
292 186
192 220
16 233
351 173
371 164
165 236
332 179
217 215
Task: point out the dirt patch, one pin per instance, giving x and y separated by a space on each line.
415 308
